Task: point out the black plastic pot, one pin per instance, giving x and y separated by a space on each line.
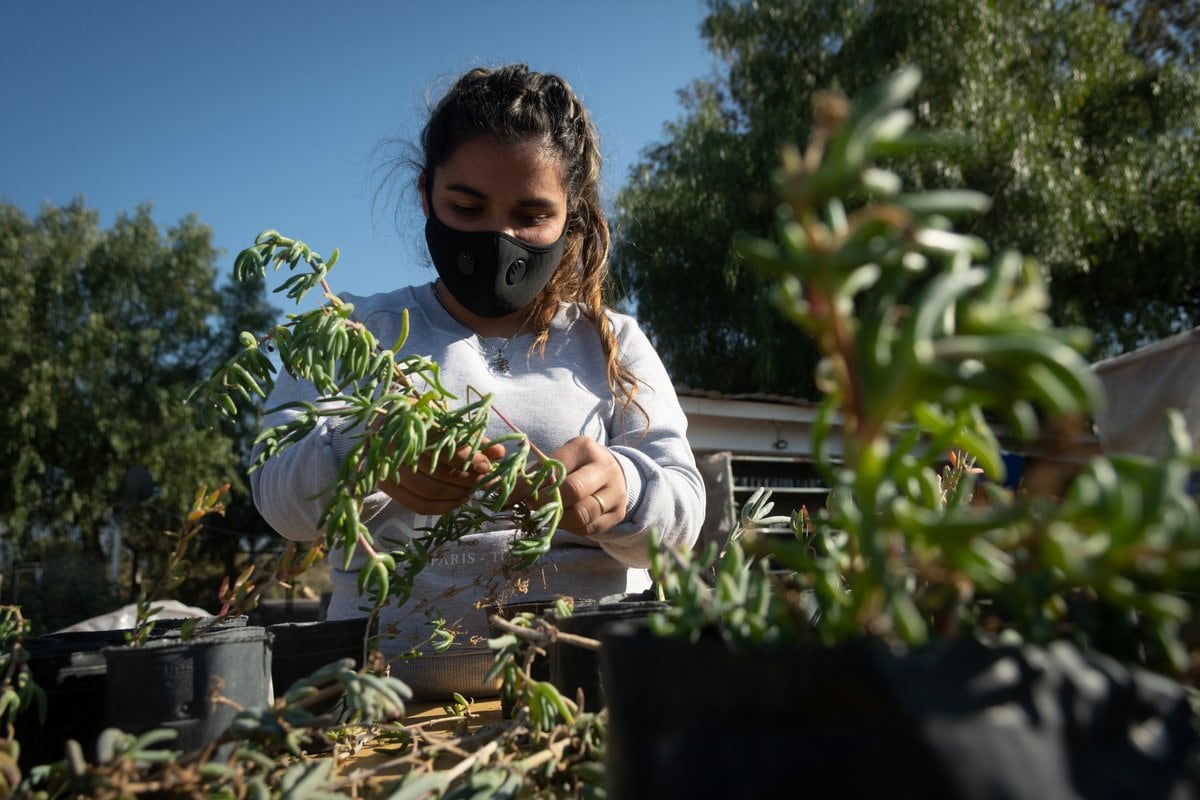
1052 721
169 683
957 720
70 667
574 668
71 671
298 649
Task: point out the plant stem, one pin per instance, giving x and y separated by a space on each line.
542 638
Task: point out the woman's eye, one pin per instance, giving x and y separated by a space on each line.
465 210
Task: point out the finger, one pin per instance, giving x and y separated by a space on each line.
483 461
535 496
442 503
598 498
579 485
577 452
433 486
494 451
475 464
589 516
456 471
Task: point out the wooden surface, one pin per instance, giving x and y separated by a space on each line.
380 764
482 712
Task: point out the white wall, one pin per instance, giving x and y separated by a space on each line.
751 426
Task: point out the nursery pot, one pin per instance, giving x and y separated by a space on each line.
71 669
1053 721
298 649
955 720
698 720
169 683
574 668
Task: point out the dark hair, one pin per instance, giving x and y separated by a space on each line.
513 104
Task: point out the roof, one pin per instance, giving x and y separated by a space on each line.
752 397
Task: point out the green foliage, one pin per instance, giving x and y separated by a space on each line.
523 638
267 757
102 332
926 348
1158 29
179 567
74 586
402 414
17 692
287 749
1087 151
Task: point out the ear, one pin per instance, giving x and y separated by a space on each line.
423 188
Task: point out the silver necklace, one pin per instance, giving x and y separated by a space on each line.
497 362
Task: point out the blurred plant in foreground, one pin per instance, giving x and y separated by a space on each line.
931 347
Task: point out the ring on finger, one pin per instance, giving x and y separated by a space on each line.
599 502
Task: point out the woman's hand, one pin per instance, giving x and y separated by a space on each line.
441 490
593 492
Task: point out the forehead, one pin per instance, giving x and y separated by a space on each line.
489 166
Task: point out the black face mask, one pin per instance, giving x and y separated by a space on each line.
492 274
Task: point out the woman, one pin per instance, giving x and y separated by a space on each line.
509 186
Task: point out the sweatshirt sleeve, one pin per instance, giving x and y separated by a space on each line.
665 490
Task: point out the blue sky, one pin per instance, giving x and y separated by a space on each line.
269 114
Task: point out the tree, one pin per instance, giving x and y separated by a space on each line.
102 332
1088 151
1158 29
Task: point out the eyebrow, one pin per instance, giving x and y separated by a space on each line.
528 202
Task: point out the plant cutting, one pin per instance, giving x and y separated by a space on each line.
923 596
300 743
237 595
400 401
204 502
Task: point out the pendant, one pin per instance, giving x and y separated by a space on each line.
500 363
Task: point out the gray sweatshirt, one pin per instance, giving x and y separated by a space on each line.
552 398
